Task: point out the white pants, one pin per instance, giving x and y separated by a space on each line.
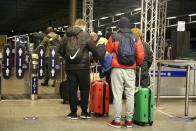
123 79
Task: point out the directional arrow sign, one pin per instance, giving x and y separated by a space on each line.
53 53
41 62
52 72
34 85
7 61
20 62
41 72
53 63
19 72
41 52
20 52
7 51
7 72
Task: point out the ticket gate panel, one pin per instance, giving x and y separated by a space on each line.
54 74
14 88
7 61
18 84
41 62
175 86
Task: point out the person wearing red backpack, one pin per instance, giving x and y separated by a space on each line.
128 52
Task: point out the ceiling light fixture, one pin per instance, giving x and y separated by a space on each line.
113 27
137 9
169 18
101 25
102 18
119 14
137 23
192 14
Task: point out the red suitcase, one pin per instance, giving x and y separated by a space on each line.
99 98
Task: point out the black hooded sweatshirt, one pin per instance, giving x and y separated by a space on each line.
88 45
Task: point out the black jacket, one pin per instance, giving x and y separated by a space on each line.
85 41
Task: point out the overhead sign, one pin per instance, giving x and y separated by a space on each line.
181 26
7 61
41 62
53 56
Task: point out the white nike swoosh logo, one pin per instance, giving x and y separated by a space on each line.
73 57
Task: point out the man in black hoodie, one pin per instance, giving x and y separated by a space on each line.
78 71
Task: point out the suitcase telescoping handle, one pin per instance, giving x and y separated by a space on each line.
140 71
94 70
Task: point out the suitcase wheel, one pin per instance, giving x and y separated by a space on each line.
106 115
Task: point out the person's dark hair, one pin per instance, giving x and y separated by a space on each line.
49 29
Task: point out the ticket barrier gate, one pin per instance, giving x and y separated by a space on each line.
55 72
181 82
34 76
22 81
37 69
14 64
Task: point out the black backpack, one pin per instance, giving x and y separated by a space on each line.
74 50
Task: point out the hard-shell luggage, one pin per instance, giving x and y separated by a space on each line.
99 98
64 91
143 105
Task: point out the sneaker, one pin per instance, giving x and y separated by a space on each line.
44 84
85 115
72 116
128 124
53 85
115 124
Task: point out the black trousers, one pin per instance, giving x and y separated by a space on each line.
47 74
108 79
46 77
78 79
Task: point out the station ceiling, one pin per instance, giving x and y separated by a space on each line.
34 15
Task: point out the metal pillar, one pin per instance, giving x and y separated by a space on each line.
154 28
187 91
88 13
158 83
72 16
149 27
162 13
